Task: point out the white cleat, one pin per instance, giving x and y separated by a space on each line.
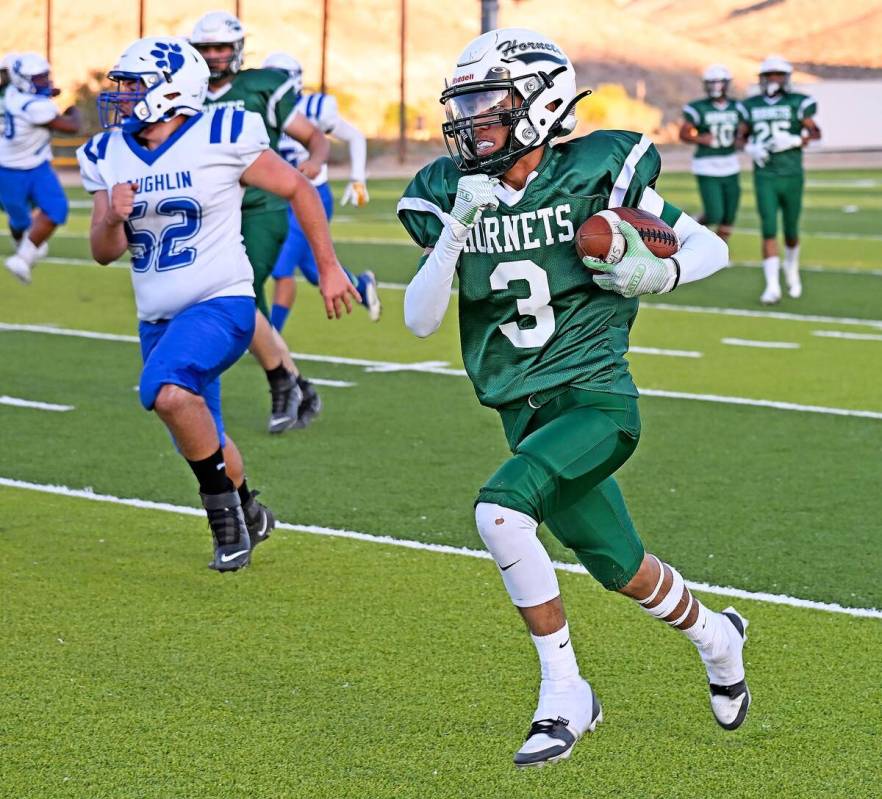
794 284
729 695
553 734
42 251
20 268
370 296
771 296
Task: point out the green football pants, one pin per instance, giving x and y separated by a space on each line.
774 192
565 453
720 197
264 234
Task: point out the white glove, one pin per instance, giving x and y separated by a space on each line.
356 193
757 151
784 141
639 271
474 193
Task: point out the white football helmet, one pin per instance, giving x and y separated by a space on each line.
513 77
29 73
716 81
220 27
288 64
172 79
775 65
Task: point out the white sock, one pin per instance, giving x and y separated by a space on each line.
791 258
557 658
27 250
771 268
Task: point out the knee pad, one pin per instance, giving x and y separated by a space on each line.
510 537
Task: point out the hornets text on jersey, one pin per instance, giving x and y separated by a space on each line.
531 318
721 120
184 230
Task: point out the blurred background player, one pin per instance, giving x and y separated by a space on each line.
167 184
321 110
5 67
779 123
715 123
27 179
220 38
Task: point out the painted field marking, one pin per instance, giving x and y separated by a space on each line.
744 312
575 568
428 368
320 381
768 345
849 336
16 402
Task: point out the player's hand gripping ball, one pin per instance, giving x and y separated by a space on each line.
599 236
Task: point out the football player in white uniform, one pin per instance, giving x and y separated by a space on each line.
321 110
167 180
27 179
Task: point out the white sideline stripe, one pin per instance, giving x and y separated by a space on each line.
319 381
575 568
768 345
430 367
759 403
40 406
783 315
849 336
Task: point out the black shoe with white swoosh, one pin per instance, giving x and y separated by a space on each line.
232 544
259 519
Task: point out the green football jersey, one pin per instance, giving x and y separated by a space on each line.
767 116
530 316
270 93
721 120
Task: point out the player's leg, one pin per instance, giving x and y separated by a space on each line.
290 257
183 360
731 190
259 519
767 208
791 208
284 294
15 190
711 190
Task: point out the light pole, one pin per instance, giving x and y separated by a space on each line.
489 15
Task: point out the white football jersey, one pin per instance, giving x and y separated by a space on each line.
185 228
321 110
25 140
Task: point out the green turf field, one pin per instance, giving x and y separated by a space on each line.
348 668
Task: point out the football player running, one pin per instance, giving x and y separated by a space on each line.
780 122
716 124
321 110
544 344
27 179
167 179
220 38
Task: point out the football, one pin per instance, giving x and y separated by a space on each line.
599 236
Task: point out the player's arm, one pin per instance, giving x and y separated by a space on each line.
741 134
810 130
107 233
68 122
689 135
272 173
428 294
356 192
300 128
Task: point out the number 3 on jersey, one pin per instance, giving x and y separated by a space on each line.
535 305
163 252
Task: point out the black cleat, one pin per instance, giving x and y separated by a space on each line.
310 405
259 520
232 545
287 397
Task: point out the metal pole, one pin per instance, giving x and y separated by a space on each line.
49 31
140 19
489 15
238 10
402 108
325 5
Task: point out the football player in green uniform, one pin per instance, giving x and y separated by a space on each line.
716 124
544 343
780 122
220 38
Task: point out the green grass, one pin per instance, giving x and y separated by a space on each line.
337 668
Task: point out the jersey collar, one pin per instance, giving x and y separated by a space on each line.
512 197
150 157
220 92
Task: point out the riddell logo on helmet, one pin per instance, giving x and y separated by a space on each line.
511 47
462 79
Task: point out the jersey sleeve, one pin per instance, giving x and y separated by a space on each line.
327 114
39 111
691 115
87 156
424 208
281 102
808 107
253 138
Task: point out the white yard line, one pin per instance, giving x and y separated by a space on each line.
319 381
40 406
766 345
751 314
759 596
438 368
849 336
